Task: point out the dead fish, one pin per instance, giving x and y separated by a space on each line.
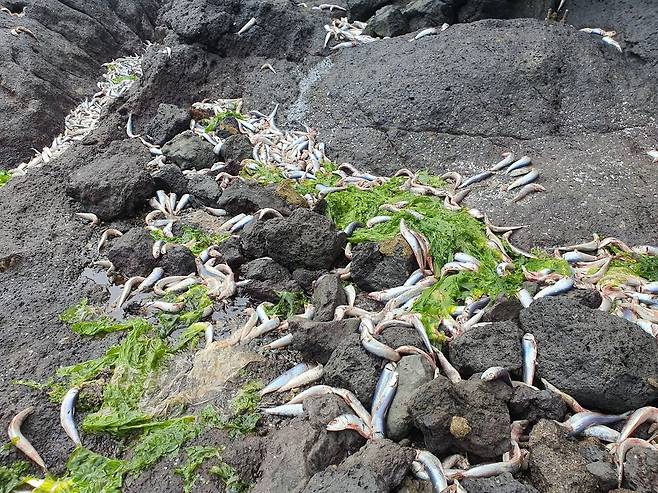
640 416
66 414
508 159
127 288
527 190
310 392
496 373
569 401
309 376
378 348
653 154
20 442
286 410
520 163
284 378
590 246
515 249
16 31
89 216
108 233
475 179
611 42
269 67
279 343
166 307
511 466
449 370
524 180
434 470
562 286
425 32
350 422
529 347
577 423
250 23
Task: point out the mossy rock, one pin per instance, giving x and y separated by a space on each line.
396 246
289 194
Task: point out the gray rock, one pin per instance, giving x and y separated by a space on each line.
246 456
232 252
388 21
236 148
555 463
304 447
248 197
533 405
302 240
505 483
316 341
502 309
400 335
380 466
170 178
306 278
605 474
131 253
470 416
362 9
189 151
460 123
265 269
479 348
353 368
115 184
376 267
473 10
169 121
587 297
641 470
204 190
428 13
40 89
327 295
178 261
413 372
267 290
603 361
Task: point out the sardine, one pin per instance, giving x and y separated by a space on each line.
562 286
281 342
527 190
250 23
524 180
521 163
316 390
309 376
377 348
284 378
524 297
150 280
577 423
508 159
434 470
286 410
66 414
475 179
529 345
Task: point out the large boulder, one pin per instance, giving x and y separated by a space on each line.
413 372
526 70
169 121
381 266
265 269
39 89
170 178
204 190
248 197
327 296
178 261
603 361
380 466
479 348
353 368
470 416
556 464
132 254
304 447
115 184
189 151
304 239
316 341
641 470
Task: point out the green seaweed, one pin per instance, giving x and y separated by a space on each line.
121 78
94 473
195 239
290 303
88 320
230 478
646 267
5 176
243 418
196 299
161 442
211 124
196 456
266 174
12 476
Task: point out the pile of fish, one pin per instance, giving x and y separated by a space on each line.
299 155
120 75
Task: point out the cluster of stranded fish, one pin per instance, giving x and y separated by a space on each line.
299 154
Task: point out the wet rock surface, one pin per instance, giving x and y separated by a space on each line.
603 361
533 405
495 344
641 470
555 462
376 267
115 184
470 416
178 261
131 253
241 197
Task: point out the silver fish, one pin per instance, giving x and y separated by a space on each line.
524 180
497 373
562 286
250 23
434 469
640 416
521 163
377 348
310 392
286 410
350 422
284 378
66 413
577 423
529 346
475 179
309 376
380 409
527 190
508 159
